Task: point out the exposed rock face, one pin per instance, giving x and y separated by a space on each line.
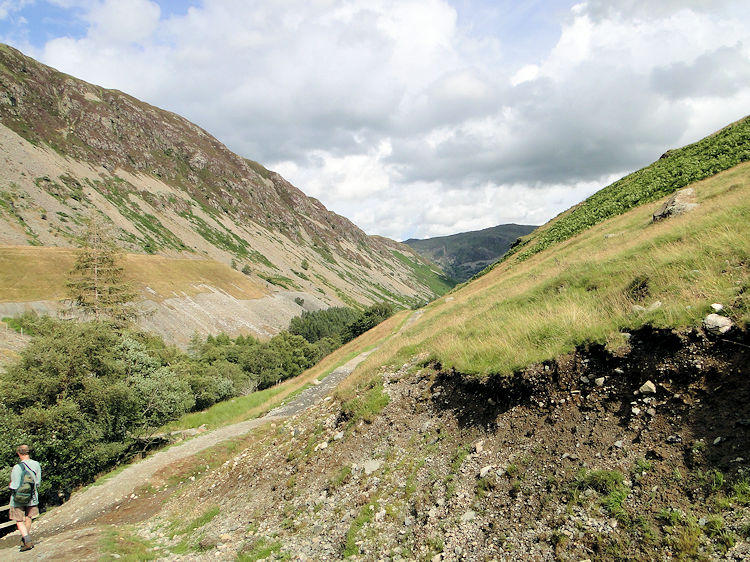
72 149
680 203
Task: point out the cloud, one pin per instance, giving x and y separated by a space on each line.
722 72
416 117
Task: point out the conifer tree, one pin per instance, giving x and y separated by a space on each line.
96 281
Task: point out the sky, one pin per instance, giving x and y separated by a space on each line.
418 118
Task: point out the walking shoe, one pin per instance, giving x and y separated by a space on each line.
26 546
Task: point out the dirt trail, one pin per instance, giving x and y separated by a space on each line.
73 520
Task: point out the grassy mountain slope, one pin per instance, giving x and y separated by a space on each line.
464 255
74 149
566 405
595 286
508 421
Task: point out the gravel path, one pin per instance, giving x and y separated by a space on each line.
94 501
72 522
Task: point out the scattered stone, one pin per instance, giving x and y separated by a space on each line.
636 411
470 515
479 447
648 388
372 465
619 371
651 412
485 471
718 440
599 381
322 445
717 307
674 439
654 306
618 444
585 380
339 436
717 325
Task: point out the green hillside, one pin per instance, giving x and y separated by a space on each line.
465 254
573 280
675 169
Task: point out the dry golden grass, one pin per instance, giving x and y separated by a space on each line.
32 273
577 291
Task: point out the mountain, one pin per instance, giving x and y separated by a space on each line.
179 201
464 255
587 398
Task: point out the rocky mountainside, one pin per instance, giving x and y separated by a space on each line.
72 149
465 254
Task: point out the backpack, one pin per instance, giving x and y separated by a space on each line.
25 491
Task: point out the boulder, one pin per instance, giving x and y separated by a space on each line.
681 202
717 324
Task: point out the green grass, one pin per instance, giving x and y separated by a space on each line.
262 549
230 411
438 283
366 406
582 290
190 543
119 544
279 280
365 515
675 170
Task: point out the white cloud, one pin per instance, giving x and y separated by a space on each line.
399 116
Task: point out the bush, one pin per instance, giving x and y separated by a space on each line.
79 395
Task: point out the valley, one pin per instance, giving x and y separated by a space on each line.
583 397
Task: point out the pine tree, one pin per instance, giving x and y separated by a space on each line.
96 282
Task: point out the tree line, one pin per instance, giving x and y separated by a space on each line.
87 393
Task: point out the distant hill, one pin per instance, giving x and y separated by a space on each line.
72 150
463 255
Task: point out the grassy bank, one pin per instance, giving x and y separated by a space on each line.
615 276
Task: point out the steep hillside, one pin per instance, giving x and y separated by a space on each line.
72 149
464 255
589 401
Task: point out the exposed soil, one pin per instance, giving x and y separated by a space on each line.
456 469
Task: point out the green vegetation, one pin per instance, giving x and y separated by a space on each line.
466 254
320 324
120 544
262 549
675 169
229 411
226 240
367 406
366 515
154 234
438 283
81 394
279 280
96 282
526 312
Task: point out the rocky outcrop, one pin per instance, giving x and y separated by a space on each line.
678 204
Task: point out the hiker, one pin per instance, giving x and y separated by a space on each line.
26 506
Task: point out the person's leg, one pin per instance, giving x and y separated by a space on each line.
27 522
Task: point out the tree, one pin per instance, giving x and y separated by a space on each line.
96 282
